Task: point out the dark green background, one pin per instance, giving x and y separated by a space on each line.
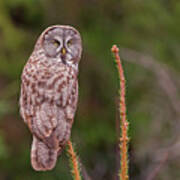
146 31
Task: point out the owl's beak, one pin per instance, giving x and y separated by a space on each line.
63 51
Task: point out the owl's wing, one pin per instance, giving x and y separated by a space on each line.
38 112
71 104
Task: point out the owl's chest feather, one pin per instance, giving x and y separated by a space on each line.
49 83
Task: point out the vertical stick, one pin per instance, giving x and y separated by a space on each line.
73 162
123 174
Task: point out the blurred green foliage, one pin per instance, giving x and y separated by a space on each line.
151 27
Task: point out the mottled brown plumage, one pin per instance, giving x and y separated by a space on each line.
49 93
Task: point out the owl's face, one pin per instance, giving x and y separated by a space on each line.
62 43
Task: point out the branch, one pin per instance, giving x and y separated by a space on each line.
124 124
73 159
84 172
156 170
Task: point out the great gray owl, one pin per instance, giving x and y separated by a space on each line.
49 93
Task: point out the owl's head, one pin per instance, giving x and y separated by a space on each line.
61 43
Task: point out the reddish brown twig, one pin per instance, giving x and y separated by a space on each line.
124 124
157 169
74 162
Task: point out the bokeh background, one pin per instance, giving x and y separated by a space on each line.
148 34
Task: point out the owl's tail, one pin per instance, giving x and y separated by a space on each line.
42 157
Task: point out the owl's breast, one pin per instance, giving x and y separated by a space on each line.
51 84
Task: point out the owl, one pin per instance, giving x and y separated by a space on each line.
49 93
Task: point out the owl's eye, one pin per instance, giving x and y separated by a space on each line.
69 43
56 43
